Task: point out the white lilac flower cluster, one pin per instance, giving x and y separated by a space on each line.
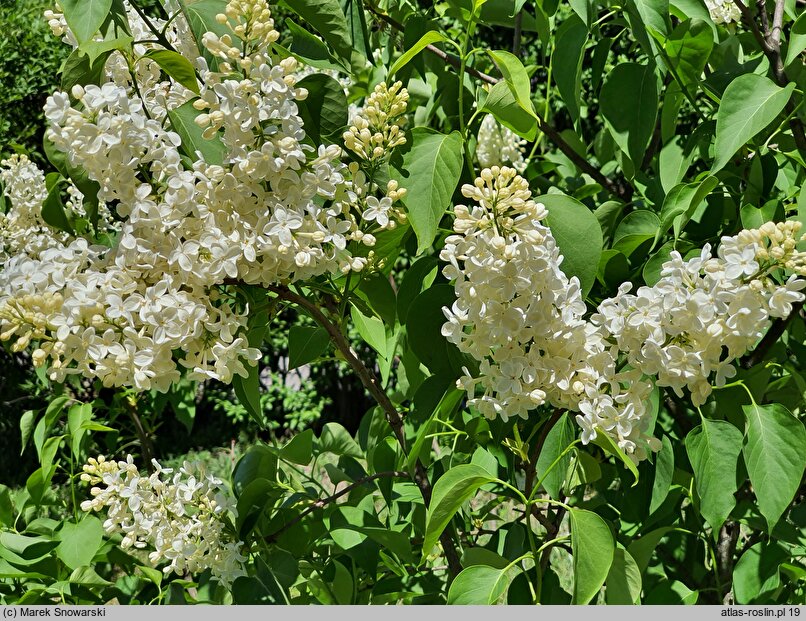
523 319
268 209
499 146
723 11
182 518
22 228
706 312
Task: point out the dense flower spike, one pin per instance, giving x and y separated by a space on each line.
182 518
378 128
266 208
523 319
499 146
706 312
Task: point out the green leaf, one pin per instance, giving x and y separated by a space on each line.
376 290
482 556
306 344
688 48
417 278
637 228
252 502
681 202
6 507
259 462
593 551
774 449
516 78
629 104
713 449
371 330
558 439
154 575
183 121
26 427
567 62
623 583
337 440
748 105
324 111
310 49
424 330
93 49
664 470
578 235
757 572
299 449
447 404
357 25
606 443
430 169
478 585
79 177
78 69
88 577
453 488
53 210
796 42
247 389
77 417
176 66
430 37
329 20
85 17
78 543
183 402
501 103
641 549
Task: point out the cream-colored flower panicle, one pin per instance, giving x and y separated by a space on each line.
706 312
521 317
180 516
378 128
260 205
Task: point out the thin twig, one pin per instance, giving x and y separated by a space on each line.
516 36
531 467
762 11
323 502
551 534
130 405
777 26
725 551
775 332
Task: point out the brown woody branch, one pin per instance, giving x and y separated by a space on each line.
725 552
617 189
770 43
775 332
323 502
370 382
